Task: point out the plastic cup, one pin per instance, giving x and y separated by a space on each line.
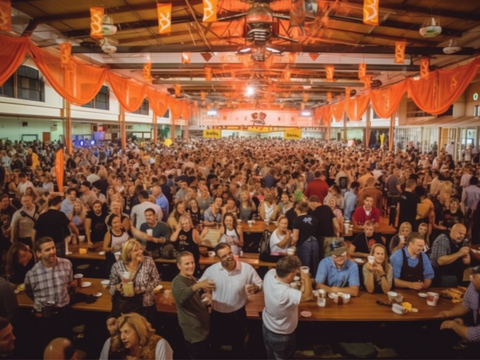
371 259
290 251
392 295
105 283
321 301
126 276
150 232
346 228
250 223
294 285
305 269
78 278
81 238
432 298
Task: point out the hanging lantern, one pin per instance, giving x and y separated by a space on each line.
65 53
5 15
330 70
329 96
424 67
96 21
164 13
370 12
209 10
400 52
362 70
186 58
202 95
147 72
208 73
178 90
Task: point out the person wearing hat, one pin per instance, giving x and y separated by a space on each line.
336 273
470 305
88 197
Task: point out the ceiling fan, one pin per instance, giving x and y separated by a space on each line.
260 21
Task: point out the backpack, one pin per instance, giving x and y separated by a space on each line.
264 244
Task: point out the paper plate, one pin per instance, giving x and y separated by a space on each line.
306 313
158 288
422 295
98 294
332 295
86 284
360 261
68 253
21 287
101 253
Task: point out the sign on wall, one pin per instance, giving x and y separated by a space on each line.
212 134
292 134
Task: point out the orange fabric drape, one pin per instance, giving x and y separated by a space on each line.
337 110
327 114
59 169
128 92
385 101
442 88
158 101
186 109
357 106
77 82
175 106
12 54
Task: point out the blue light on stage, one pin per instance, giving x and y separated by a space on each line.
92 142
81 142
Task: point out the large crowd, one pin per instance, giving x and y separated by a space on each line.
150 201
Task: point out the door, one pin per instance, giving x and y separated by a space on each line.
46 137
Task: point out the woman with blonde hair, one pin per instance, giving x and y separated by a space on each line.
143 275
78 216
378 276
133 337
267 209
400 239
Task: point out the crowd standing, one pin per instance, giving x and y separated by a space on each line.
149 201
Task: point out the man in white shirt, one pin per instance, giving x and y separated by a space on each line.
280 315
23 184
234 282
138 211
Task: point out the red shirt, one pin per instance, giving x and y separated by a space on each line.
360 216
317 187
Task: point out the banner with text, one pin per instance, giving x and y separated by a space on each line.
292 134
212 134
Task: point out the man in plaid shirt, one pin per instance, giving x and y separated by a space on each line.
50 280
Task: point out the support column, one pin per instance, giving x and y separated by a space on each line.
67 132
187 134
172 128
368 127
391 137
344 126
123 128
329 131
155 128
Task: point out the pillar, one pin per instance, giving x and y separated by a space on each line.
155 128
67 132
123 128
172 127
391 137
344 126
367 128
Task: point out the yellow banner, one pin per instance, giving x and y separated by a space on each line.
292 134
212 134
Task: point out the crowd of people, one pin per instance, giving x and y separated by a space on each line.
149 201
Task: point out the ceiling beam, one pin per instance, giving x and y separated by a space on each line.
347 49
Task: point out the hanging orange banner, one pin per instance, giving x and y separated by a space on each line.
209 10
208 74
370 12
65 53
5 15
347 92
399 52
164 13
362 70
424 67
177 90
96 17
330 70
367 81
59 169
147 72
202 95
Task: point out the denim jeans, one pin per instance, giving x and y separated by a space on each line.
309 255
279 346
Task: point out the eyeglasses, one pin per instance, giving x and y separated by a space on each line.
341 255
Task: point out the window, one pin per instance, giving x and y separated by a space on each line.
167 114
143 109
476 111
375 115
101 100
26 84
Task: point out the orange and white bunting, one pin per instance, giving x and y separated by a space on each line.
330 70
329 96
208 74
367 81
347 92
147 72
65 53
186 58
209 10
96 17
362 70
400 52
5 15
370 12
164 13
424 67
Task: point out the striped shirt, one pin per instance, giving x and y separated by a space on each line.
44 284
471 301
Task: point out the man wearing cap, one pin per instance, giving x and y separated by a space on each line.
470 305
336 273
411 266
450 255
88 196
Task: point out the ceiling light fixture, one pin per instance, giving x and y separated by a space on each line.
306 113
245 50
273 50
430 28
452 47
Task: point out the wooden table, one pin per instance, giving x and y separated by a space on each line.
103 303
249 258
382 229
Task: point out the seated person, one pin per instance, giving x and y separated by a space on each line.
378 277
336 273
20 260
411 266
400 240
281 237
470 305
363 242
366 212
450 256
